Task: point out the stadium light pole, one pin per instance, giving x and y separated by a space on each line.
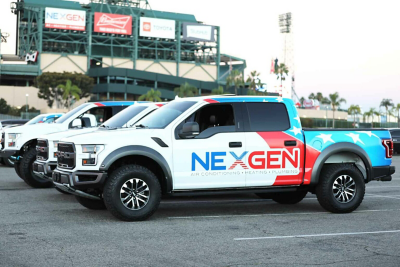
26 106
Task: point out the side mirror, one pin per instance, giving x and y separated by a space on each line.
189 130
77 123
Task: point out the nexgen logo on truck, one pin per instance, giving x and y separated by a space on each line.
271 159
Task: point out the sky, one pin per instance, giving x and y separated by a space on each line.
349 47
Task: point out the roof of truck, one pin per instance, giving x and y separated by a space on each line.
233 98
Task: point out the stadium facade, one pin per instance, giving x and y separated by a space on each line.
124 45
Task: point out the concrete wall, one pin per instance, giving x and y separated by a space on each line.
61 63
117 63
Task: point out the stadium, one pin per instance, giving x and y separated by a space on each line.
125 46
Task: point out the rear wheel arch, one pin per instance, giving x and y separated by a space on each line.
343 153
142 156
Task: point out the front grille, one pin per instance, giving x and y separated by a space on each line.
3 135
42 150
66 156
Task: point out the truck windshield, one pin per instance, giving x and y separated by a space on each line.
71 113
160 118
123 117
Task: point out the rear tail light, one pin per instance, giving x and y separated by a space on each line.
388 144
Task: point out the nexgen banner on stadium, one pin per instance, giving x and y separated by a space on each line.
66 19
159 28
112 23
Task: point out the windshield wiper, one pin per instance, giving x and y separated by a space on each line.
141 126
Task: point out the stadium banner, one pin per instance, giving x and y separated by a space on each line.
112 23
198 32
159 28
66 19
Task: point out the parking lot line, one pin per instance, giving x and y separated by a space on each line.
374 195
316 235
273 214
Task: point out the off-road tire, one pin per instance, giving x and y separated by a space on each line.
62 191
324 192
289 198
112 188
17 168
91 204
27 171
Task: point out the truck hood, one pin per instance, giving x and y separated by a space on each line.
106 137
73 132
35 130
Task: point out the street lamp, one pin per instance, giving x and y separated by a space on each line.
26 106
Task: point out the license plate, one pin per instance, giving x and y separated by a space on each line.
394 140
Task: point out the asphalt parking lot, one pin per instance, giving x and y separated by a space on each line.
42 227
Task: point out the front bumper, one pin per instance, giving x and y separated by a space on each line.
44 169
383 173
7 153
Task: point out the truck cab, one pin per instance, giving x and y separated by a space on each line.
222 144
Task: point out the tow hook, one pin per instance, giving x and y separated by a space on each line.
16 158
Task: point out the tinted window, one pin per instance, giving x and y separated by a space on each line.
395 133
160 118
71 113
267 117
124 116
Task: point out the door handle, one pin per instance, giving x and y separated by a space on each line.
290 143
235 144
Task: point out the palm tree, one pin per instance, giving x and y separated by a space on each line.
253 76
354 109
186 90
325 101
386 103
218 91
282 69
235 78
335 102
302 100
151 95
70 91
311 96
372 112
397 108
319 97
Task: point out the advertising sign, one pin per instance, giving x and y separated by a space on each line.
112 23
198 32
159 28
66 19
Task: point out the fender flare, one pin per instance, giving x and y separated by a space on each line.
337 148
139 151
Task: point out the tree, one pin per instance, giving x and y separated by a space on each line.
48 82
335 102
325 101
235 78
311 96
218 91
397 108
371 113
252 80
282 69
386 103
186 90
302 100
354 109
151 95
70 92
4 107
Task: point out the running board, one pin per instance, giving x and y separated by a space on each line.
227 191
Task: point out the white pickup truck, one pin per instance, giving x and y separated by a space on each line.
46 157
20 142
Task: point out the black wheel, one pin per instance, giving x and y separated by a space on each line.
91 204
341 188
62 191
8 162
17 168
27 171
132 193
289 197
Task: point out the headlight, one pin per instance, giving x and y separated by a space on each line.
12 138
55 143
92 151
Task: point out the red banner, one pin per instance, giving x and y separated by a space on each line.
112 23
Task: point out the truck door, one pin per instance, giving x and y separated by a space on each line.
275 144
209 159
